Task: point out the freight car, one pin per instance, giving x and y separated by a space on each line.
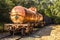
24 20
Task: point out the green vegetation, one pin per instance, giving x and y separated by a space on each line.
1 27
53 11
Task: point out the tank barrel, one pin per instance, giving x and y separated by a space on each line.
21 14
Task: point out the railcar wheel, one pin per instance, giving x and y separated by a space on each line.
29 30
23 31
11 32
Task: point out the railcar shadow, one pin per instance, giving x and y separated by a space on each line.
46 31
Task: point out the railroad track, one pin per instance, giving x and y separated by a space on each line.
16 37
3 35
12 37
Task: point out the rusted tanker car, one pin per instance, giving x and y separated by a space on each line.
24 20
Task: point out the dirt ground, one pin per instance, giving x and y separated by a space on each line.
50 33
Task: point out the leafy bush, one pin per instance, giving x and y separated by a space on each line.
54 11
50 9
1 26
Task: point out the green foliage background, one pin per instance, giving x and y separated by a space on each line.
46 7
